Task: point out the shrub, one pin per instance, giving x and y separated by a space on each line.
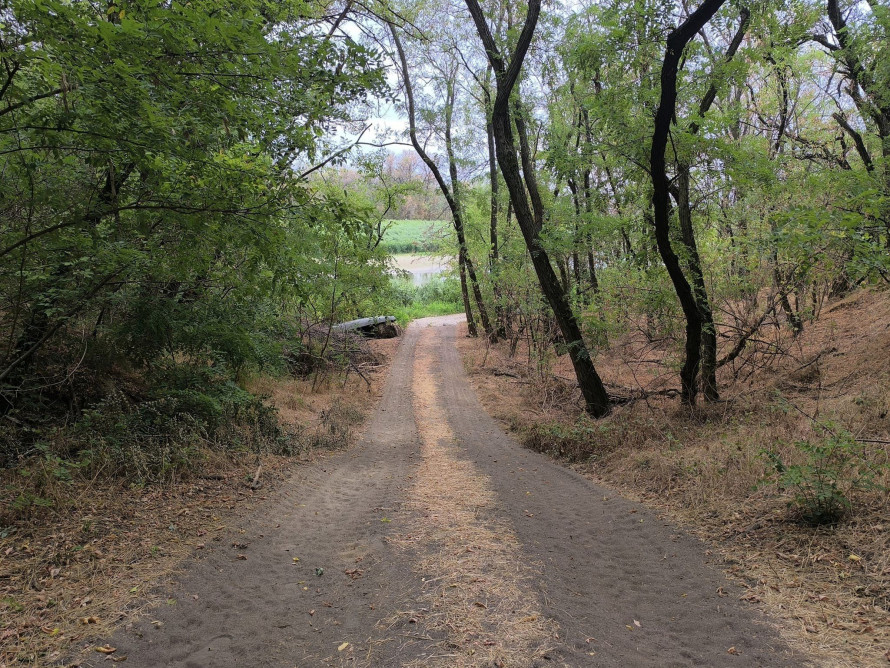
582 441
833 469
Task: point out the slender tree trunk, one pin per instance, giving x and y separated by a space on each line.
458 216
576 269
707 334
592 389
676 43
466 266
588 208
577 240
563 264
709 331
494 211
468 309
494 184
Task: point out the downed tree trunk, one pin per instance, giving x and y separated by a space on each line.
378 327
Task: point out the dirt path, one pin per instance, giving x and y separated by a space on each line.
443 543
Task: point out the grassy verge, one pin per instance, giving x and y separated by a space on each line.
439 296
747 474
411 312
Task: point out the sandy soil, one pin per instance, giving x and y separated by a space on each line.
336 569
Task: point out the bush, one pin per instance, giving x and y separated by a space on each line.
582 441
189 408
833 469
439 296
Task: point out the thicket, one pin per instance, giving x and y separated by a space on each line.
161 237
437 296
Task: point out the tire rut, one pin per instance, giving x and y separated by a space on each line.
332 516
625 587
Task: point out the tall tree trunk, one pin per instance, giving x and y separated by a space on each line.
588 209
468 309
676 43
494 182
709 331
458 216
687 233
595 396
494 211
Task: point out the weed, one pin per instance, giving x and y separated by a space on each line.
581 441
834 467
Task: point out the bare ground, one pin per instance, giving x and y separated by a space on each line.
438 540
828 586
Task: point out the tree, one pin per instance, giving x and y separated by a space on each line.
676 43
452 193
530 215
149 156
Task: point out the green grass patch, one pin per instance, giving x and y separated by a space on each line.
406 314
439 296
415 236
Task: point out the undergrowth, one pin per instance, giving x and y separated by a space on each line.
829 471
439 296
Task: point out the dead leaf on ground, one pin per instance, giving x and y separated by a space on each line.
106 649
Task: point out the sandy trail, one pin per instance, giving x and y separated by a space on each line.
444 543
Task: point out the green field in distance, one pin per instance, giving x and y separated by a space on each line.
415 236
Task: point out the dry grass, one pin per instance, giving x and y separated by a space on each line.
476 585
71 572
829 586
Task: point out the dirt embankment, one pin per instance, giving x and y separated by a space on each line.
707 469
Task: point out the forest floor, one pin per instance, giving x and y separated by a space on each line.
828 586
438 540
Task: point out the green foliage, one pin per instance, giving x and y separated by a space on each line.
833 468
156 240
162 436
438 296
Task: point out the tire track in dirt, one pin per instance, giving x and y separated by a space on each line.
475 599
625 587
619 586
269 610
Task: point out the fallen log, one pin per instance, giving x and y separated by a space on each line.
381 326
